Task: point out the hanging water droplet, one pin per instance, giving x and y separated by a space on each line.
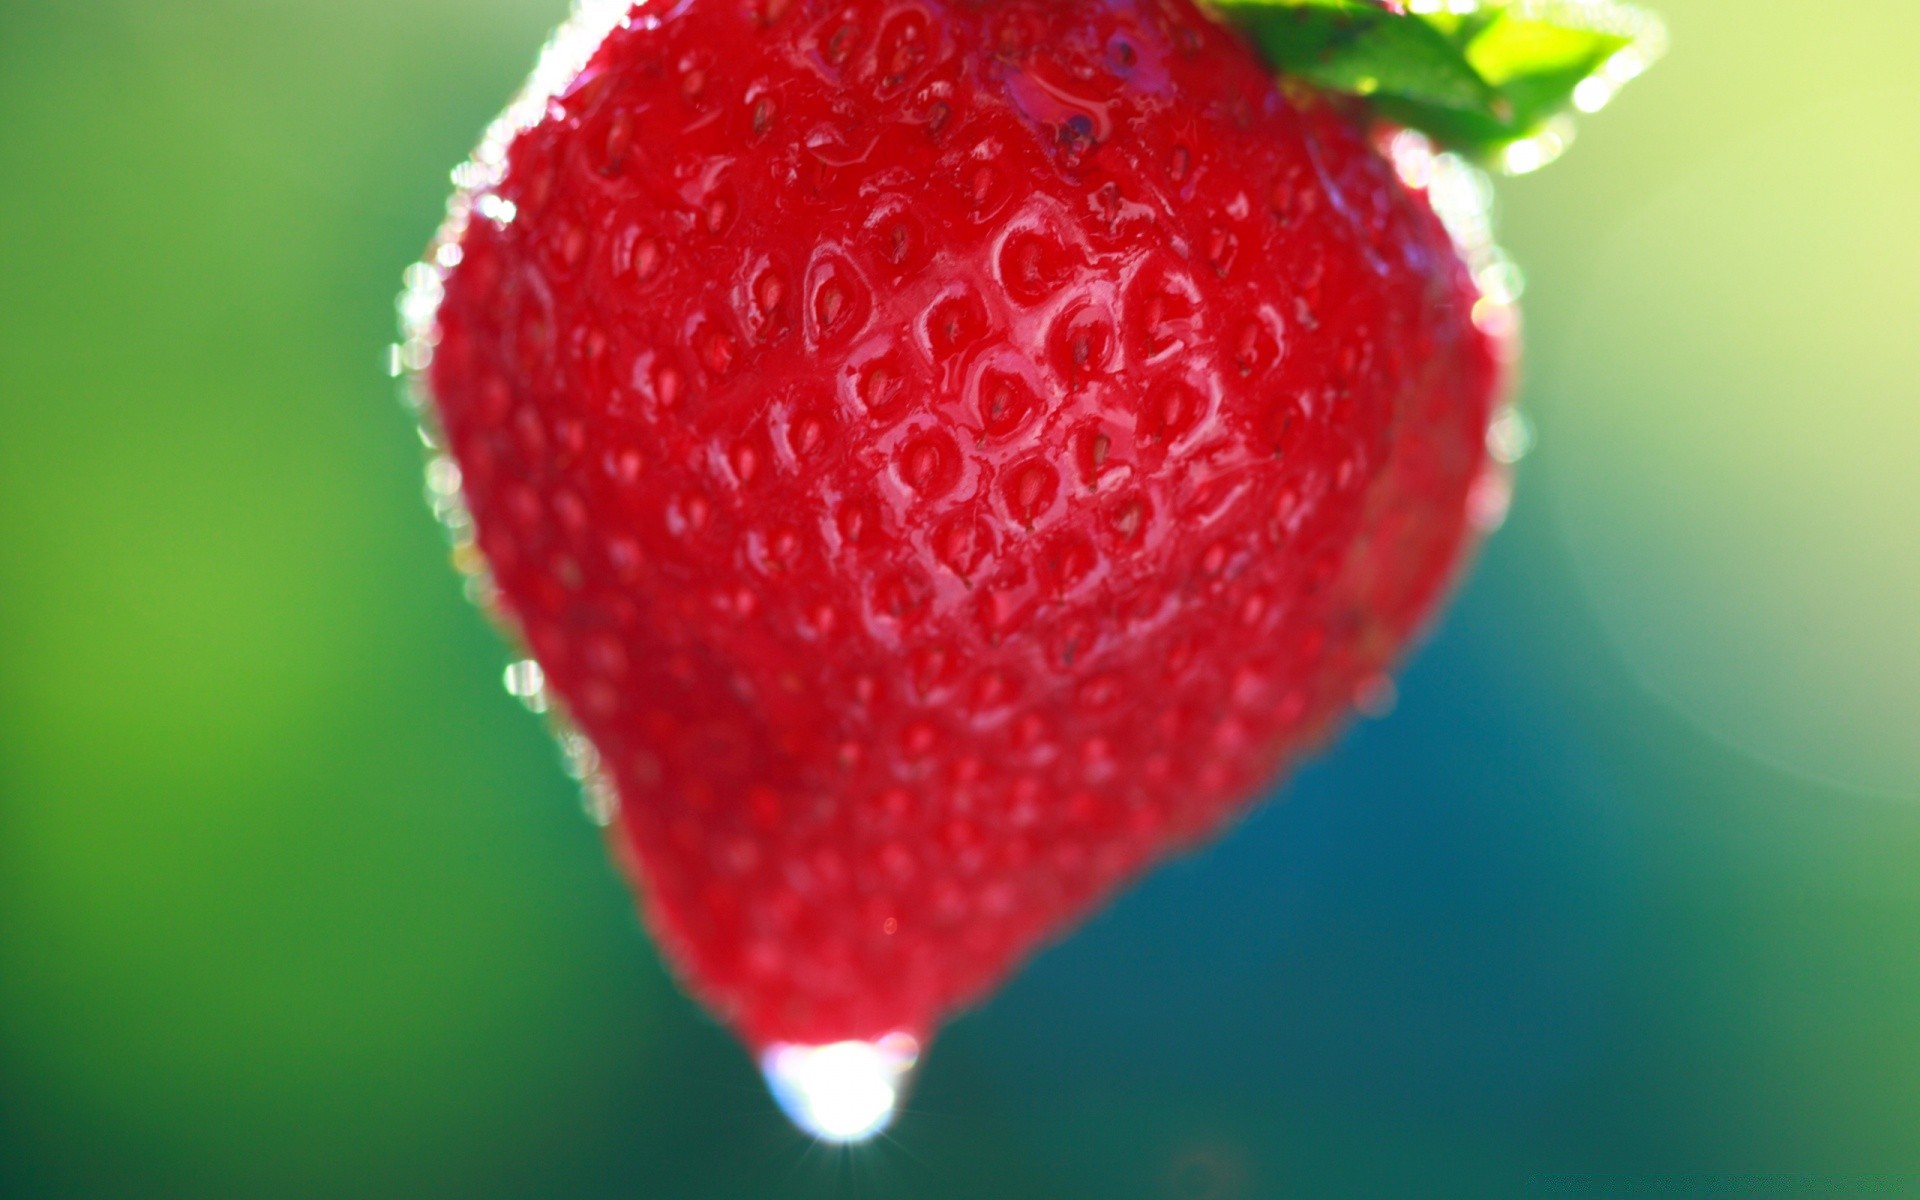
844 1092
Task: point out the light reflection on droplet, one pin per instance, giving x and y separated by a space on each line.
843 1092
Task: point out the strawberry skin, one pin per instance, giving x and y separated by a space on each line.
946 456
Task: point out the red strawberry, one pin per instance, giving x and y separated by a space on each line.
945 456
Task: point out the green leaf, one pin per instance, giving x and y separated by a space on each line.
1494 80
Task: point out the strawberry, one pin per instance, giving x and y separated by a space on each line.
944 457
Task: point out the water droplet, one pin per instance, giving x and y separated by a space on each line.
1509 436
844 1092
527 683
443 477
600 801
1529 154
1500 279
492 208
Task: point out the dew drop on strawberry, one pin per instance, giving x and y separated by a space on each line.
944 457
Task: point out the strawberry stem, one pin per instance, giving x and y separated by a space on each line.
1496 81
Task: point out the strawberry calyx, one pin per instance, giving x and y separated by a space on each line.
1495 81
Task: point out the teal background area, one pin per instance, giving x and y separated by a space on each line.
1623 899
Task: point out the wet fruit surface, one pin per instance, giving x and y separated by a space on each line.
946 457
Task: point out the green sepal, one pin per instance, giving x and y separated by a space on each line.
1495 84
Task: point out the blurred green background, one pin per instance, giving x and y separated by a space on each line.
294 901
